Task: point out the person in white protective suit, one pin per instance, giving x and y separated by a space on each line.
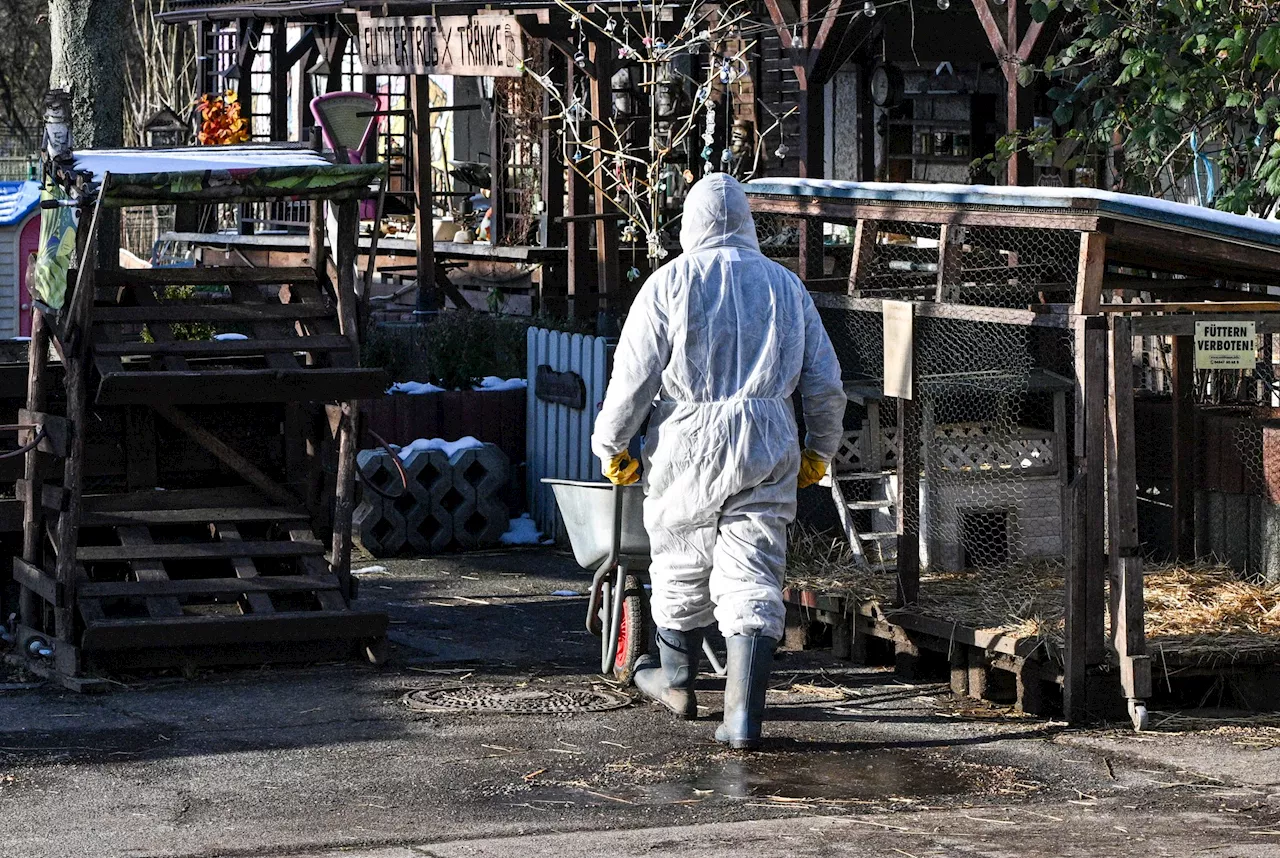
712 350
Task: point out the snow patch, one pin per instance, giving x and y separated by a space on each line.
414 388
448 447
224 337
369 570
494 383
522 531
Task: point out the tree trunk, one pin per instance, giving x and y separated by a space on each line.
88 42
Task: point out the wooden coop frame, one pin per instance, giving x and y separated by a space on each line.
1142 267
165 574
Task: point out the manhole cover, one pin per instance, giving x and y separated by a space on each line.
515 701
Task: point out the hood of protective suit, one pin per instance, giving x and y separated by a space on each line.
716 214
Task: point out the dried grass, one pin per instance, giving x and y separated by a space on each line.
1202 609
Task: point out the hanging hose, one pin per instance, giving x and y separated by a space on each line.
404 478
41 434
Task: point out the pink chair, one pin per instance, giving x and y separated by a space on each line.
347 124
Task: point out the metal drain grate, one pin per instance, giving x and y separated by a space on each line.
514 701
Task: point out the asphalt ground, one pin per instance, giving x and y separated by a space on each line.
330 759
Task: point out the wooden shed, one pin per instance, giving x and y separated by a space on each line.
19 238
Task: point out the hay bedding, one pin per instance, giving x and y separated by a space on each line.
1198 612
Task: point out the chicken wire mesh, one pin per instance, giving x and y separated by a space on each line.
989 420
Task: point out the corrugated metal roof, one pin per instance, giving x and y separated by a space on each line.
17 200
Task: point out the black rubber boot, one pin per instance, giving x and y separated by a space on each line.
671 681
750 659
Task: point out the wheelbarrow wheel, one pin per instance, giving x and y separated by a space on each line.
633 632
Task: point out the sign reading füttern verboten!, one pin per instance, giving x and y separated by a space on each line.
481 45
1226 345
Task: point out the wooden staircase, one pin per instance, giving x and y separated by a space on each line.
163 573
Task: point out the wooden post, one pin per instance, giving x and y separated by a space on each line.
909 424
551 291
864 248
1184 448
581 276
950 258
424 242
866 126
1018 113
1092 263
1127 609
607 255
29 605
812 166
497 170
344 500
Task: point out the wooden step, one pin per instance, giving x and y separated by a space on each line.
198 515
878 536
866 475
189 631
197 551
206 586
203 276
184 311
223 348
235 386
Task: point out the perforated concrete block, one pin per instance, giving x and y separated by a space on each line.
485 470
479 477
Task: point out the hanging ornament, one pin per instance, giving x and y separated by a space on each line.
725 156
577 155
869 8
660 45
707 152
633 274
1001 2
701 95
629 232
781 151
610 25
944 5
654 241
580 59
725 72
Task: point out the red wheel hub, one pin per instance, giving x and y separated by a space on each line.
620 657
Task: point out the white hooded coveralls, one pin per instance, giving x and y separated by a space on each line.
714 346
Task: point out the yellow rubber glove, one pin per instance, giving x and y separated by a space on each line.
622 470
812 469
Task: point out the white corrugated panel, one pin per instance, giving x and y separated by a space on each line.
558 436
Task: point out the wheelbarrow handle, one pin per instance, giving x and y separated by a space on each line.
605 568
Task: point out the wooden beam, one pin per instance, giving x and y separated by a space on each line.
864 248
207 586
1128 634
1184 447
1089 272
225 348
1194 307
196 551
212 276
229 457
607 256
277 628
995 35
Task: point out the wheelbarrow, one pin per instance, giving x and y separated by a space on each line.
605 525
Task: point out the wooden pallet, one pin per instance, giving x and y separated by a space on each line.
162 574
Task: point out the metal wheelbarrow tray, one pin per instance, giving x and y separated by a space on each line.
605 525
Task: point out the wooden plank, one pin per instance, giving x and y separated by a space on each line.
147 571
423 207
235 386
32 496
244 567
1194 307
196 551
225 312
908 560
1186 252
107 635
962 312
160 502
1184 447
228 456
864 248
1095 443
224 348
32 578
1127 618
214 276
1183 325
950 257
601 52
197 515
851 211
1091 266
251 585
